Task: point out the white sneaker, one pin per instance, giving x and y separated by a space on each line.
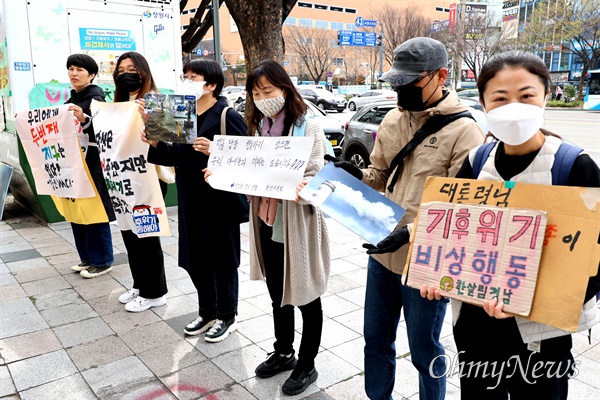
80 267
142 304
131 294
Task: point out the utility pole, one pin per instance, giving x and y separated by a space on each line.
380 55
217 32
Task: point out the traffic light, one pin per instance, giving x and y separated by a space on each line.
339 40
379 40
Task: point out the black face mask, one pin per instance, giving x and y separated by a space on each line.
129 82
410 97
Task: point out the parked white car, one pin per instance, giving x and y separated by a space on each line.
369 97
234 94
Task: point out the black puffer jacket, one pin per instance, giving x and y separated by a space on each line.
83 99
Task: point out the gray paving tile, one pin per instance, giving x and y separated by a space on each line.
246 310
333 369
68 313
63 258
197 380
7 280
257 329
64 248
57 299
351 352
356 295
7 386
172 357
20 324
26 254
178 323
334 306
114 379
407 378
240 364
148 337
29 345
11 292
176 306
235 392
350 389
211 350
45 286
582 391
339 284
41 369
185 285
35 274
71 387
154 389
250 289
335 333
353 320
102 351
107 304
17 266
94 288
122 320
22 305
82 332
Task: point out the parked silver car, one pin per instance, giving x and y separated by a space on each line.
361 131
370 97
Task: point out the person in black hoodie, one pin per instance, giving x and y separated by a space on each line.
93 241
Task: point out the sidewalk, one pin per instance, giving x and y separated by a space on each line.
66 337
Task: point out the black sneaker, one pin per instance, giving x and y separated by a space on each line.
275 364
93 272
299 380
198 326
220 330
80 267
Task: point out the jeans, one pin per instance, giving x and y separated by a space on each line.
283 317
94 243
385 297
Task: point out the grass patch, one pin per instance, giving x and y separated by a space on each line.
32 299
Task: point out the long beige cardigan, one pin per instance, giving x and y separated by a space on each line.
306 241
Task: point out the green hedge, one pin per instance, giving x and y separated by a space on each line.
560 103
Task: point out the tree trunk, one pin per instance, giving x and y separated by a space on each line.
584 71
259 23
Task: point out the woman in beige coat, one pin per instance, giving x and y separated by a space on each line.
288 240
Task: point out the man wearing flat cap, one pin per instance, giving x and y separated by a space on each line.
402 158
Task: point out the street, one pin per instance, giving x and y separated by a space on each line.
577 126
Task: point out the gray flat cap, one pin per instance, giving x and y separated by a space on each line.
413 57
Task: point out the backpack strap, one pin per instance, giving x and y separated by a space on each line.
224 121
481 155
563 163
431 126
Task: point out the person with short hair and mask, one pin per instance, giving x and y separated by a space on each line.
133 80
514 88
209 231
418 75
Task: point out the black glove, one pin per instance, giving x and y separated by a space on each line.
393 242
346 166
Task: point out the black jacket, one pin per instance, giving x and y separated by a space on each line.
92 158
209 235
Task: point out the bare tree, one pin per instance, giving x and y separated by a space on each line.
567 26
199 25
352 63
399 25
314 48
476 40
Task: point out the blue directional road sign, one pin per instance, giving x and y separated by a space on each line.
369 23
354 38
359 22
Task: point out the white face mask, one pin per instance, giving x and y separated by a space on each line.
270 107
195 88
515 123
